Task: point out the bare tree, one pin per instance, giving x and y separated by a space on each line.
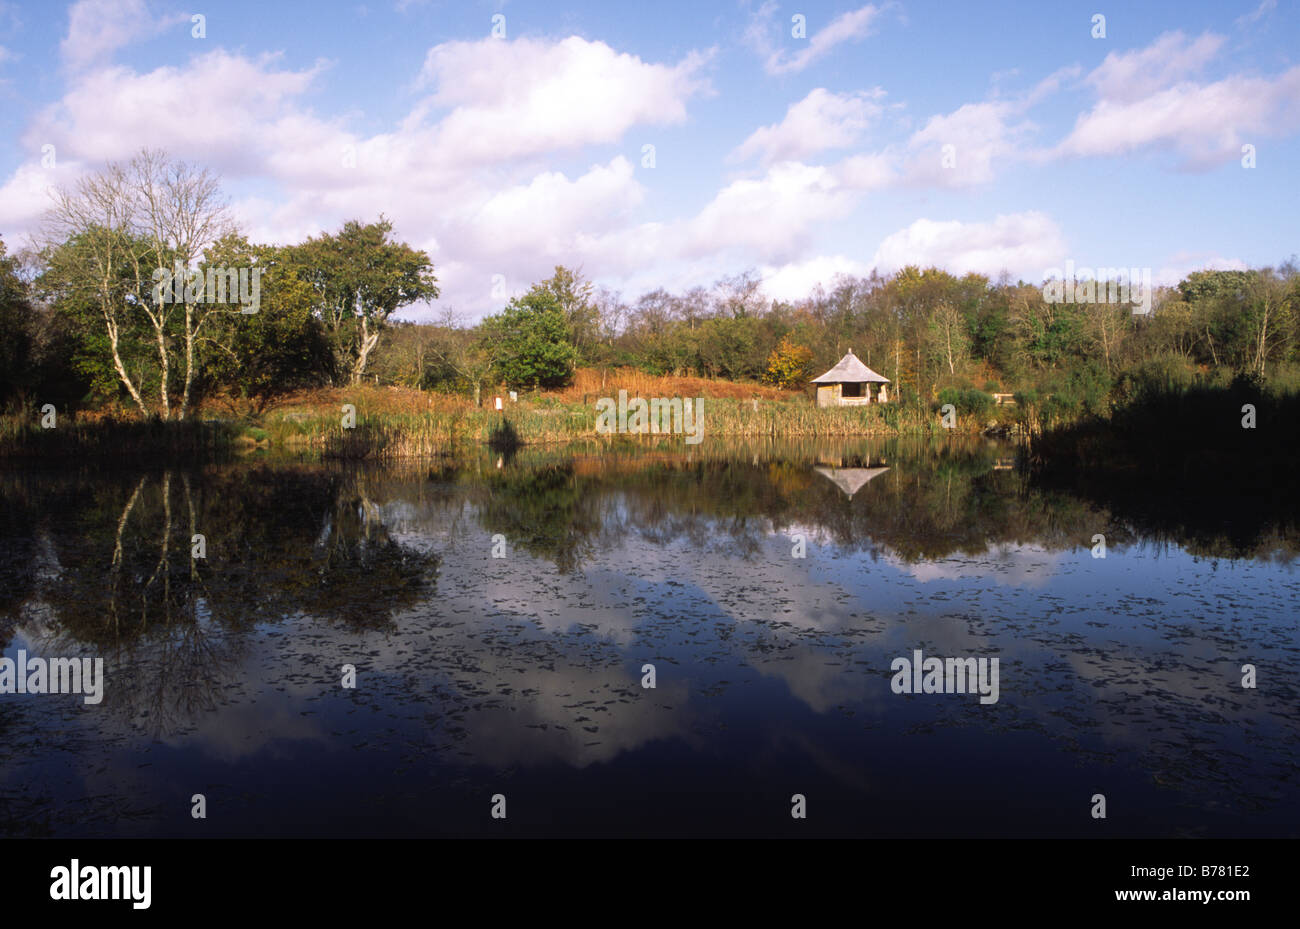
181 214
1107 325
1270 306
97 210
949 336
131 220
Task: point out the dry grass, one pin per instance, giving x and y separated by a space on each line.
591 383
404 401
398 422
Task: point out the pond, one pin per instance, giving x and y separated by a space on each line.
503 615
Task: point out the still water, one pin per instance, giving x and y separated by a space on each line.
501 611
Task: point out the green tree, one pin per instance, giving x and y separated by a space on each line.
528 341
281 347
360 276
575 296
17 351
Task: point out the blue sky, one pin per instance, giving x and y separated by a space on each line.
973 136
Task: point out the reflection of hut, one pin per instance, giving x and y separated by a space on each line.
850 383
850 480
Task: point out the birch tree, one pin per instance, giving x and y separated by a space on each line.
112 230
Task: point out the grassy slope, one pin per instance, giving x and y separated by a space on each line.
396 422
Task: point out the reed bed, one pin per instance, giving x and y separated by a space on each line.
117 440
383 432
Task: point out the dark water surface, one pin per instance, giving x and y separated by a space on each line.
522 675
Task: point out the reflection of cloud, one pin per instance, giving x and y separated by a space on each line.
1011 566
572 714
245 729
814 676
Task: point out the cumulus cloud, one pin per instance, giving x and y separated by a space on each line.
226 109
1022 243
545 215
868 172
820 121
797 280
772 216
29 192
468 171
958 149
461 175
1148 99
519 98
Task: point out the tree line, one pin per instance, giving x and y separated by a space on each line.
85 323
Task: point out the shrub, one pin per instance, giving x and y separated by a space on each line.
1164 374
968 402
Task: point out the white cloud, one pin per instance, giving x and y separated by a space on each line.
772 216
1133 75
1022 243
522 97
462 175
1265 7
1206 124
224 109
544 216
867 172
797 280
1146 99
777 59
966 147
978 133
820 121
28 194
97 28
467 171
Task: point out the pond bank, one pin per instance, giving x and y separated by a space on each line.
360 432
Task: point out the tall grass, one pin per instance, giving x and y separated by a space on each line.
385 432
115 440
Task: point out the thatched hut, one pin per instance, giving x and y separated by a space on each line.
850 383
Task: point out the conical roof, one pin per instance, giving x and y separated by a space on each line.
850 480
850 370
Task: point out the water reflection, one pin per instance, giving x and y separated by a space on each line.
525 671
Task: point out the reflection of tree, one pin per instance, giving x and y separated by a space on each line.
1178 466
545 511
124 581
291 540
930 503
